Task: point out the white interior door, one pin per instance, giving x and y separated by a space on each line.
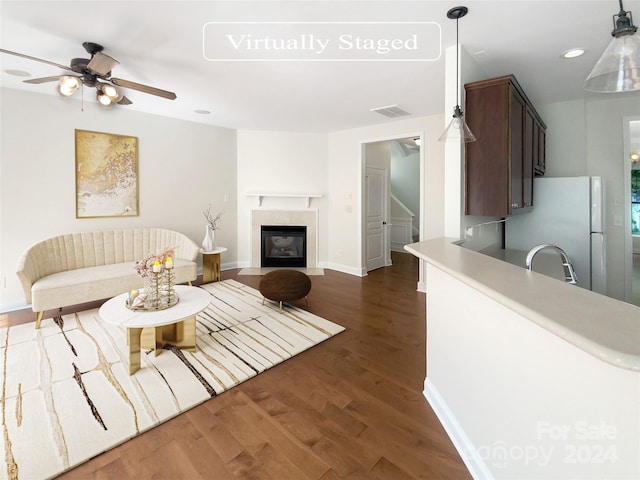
377 198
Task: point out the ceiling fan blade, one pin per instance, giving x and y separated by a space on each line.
143 88
125 101
43 79
102 64
29 57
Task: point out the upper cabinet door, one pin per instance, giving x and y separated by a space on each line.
500 164
517 137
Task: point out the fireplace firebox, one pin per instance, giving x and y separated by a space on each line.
283 246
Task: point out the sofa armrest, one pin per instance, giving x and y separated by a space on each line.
186 248
29 270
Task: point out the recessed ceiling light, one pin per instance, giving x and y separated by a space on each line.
202 112
573 53
18 73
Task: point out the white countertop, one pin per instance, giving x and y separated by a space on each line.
604 327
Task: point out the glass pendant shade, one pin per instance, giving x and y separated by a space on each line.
457 129
618 69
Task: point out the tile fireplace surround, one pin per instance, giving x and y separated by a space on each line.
308 218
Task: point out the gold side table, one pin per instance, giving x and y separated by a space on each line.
211 265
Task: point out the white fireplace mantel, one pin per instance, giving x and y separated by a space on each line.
307 196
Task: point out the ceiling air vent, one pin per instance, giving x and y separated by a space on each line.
390 111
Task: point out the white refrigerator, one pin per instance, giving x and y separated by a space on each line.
567 212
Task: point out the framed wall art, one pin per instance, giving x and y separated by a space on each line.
106 175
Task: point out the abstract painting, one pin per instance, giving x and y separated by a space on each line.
106 175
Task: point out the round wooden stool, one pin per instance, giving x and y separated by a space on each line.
285 285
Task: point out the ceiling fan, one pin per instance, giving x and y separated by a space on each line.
93 72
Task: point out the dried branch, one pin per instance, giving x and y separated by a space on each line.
211 220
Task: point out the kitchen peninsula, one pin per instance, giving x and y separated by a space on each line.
530 376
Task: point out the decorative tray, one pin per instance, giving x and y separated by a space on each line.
139 303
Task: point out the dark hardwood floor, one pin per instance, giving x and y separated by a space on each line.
351 407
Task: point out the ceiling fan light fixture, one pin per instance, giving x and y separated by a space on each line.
102 64
618 69
113 93
103 99
92 73
68 84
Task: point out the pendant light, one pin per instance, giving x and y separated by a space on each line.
618 69
457 129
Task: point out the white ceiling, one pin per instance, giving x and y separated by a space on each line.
160 43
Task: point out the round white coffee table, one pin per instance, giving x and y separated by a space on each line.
153 329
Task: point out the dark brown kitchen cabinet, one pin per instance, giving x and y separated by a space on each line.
509 150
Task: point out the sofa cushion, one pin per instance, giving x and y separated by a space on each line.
96 283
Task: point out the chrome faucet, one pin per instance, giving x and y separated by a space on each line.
569 272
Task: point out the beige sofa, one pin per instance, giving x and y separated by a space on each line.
83 267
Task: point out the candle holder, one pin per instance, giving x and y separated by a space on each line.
170 280
159 281
158 293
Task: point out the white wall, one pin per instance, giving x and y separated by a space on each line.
566 140
378 154
456 222
606 158
520 402
281 162
346 187
586 138
583 138
183 166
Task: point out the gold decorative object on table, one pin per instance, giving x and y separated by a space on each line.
159 282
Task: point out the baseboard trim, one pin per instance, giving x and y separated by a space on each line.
13 306
461 442
264 270
342 268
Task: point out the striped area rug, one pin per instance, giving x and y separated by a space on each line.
67 394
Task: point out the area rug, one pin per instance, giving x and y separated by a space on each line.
67 394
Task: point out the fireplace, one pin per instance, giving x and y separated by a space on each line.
306 218
283 246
